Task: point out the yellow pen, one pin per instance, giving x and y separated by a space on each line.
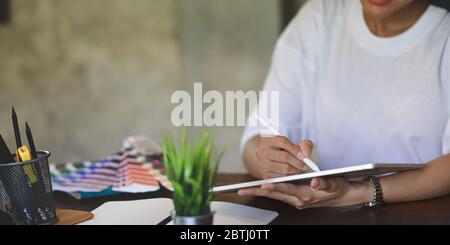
24 153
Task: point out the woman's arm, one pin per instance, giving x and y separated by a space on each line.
431 181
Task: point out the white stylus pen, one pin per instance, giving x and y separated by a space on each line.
306 160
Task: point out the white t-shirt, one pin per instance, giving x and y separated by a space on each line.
362 98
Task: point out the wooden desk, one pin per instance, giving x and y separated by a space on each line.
436 211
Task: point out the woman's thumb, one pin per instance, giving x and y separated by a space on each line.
321 184
306 147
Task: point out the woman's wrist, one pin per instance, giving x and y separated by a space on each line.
358 192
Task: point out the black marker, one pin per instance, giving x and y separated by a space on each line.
31 141
16 128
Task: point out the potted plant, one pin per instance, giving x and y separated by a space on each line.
192 168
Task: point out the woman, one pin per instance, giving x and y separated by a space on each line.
364 81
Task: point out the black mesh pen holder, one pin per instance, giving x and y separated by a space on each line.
26 194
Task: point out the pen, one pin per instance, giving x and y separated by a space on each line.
16 132
16 128
35 174
266 124
31 141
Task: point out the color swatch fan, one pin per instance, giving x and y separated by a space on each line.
127 171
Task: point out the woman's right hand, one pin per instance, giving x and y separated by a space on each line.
277 156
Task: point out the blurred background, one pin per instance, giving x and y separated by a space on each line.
88 73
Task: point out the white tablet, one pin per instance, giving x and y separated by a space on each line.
357 171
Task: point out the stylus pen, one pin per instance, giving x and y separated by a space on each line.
266 124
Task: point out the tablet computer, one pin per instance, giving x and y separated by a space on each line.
357 171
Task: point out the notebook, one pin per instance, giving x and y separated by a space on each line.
153 211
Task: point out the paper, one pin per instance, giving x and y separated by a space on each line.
136 188
153 211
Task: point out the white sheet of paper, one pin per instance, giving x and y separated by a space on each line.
153 211
137 188
138 212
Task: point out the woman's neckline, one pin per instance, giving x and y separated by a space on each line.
393 45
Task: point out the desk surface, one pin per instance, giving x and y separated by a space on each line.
436 211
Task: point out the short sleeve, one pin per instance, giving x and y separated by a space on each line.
445 77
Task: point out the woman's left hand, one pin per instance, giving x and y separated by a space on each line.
321 192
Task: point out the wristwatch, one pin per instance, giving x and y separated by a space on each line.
377 199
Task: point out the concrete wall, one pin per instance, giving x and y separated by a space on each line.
227 45
88 73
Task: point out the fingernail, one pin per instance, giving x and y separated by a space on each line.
242 193
300 155
315 183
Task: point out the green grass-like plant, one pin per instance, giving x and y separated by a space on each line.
192 169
